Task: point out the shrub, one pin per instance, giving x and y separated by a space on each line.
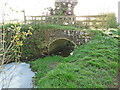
11 42
32 46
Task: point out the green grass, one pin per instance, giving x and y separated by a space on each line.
93 65
115 32
42 66
49 26
61 27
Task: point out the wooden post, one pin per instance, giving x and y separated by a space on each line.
107 22
35 20
102 24
24 17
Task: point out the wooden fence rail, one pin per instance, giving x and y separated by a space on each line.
91 20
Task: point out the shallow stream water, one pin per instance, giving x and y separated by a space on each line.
16 75
64 51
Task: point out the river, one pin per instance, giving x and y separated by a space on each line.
16 75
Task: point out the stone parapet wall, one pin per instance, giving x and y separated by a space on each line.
78 37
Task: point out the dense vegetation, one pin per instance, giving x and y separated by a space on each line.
112 21
11 39
36 41
93 65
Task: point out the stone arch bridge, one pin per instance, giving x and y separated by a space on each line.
55 39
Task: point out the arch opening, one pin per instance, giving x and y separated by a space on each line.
63 47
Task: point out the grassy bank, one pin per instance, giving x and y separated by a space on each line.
93 65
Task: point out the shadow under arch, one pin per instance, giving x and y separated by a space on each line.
61 46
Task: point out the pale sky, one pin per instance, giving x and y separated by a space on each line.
36 7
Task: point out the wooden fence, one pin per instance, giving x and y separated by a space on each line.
96 21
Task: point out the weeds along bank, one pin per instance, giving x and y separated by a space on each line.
93 65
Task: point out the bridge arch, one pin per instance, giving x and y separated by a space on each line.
58 43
